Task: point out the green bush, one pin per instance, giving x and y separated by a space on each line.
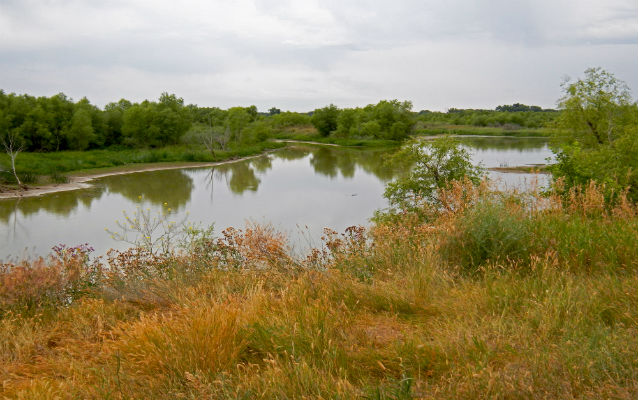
488 232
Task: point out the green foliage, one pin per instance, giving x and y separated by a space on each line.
152 124
388 120
238 118
489 231
519 107
596 108
289 119
394 118
599 136
256 132
437 164
505 118
80 133
325 119
274 111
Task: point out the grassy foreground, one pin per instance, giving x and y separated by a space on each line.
489 299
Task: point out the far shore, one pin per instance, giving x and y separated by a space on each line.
81 180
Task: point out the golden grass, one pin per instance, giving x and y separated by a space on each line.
378 314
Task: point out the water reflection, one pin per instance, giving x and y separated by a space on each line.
317 186
169 186
332 162
61 204
504 143
240 177
175 186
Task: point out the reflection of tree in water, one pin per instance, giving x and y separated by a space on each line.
7 208
501 143
240 176
379 164
324 161
262 164
61 203
292 153
327 161
170 186
346 163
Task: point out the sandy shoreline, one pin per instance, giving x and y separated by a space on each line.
82 181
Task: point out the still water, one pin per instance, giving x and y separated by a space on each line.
299 190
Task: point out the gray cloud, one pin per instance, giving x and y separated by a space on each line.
303 54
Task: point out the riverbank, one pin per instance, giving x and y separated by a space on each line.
81 180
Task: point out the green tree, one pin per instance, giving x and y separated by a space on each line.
435 165
237 119
347 122
394 118
80 132
596 109
325 119
599 134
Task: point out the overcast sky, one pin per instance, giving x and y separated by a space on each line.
299 55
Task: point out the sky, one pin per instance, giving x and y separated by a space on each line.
299 55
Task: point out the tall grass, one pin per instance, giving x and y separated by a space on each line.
492 296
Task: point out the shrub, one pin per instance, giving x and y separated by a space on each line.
489 231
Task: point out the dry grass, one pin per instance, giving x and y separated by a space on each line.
381 314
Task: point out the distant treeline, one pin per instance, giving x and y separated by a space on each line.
45 124
507 116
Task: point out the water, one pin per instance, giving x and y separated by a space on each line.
299 190
499 152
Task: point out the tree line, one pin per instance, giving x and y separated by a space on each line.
56 123
507 116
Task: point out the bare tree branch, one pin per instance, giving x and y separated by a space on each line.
13 147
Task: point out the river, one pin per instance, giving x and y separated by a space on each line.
298 190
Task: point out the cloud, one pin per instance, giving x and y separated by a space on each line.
303 54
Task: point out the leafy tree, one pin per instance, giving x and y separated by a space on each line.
599 135
436 164
596 109
253 112
156 124
394 118
237 119
274 111
80 133
287 119
347 122
255 132
113 120
325 119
